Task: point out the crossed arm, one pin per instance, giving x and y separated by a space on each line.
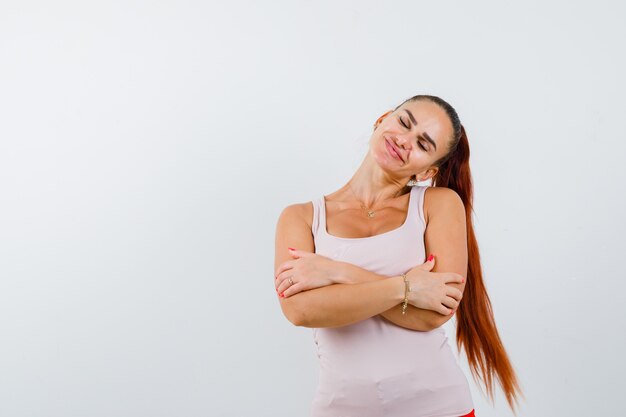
367 293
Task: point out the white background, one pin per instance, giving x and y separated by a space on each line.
147 149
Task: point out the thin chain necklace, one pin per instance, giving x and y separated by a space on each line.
370 213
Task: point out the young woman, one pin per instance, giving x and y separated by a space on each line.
351 266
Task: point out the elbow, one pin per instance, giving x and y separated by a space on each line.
293 313
297 311
437 322
429 325
300 320
433 325
296 320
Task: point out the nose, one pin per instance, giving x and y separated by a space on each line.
401 141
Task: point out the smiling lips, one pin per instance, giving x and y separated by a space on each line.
393 150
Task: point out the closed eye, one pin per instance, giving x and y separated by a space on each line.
406 127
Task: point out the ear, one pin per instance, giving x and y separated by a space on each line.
381 118
426 175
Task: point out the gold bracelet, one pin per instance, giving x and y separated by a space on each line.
407 289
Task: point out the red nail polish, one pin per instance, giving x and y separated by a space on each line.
282 294
291 248
430 257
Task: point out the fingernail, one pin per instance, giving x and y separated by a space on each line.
282 294
291 248
430 257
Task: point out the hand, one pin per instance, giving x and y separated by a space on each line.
428 290
307 271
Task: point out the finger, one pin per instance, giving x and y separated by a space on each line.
283 267
294 289
280 274
452 277
454 293
282 279
444 310
450 302
429 264
296 253
278 271
284 285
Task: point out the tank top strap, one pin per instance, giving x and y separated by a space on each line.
414 213
318 214
420 191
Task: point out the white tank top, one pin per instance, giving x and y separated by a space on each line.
374 368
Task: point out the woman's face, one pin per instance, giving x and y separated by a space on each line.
408 130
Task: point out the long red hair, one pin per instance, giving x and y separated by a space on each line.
476 330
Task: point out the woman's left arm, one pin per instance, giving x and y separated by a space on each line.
414 318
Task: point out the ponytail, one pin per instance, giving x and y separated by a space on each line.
476 330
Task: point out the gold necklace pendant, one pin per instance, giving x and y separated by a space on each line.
370 213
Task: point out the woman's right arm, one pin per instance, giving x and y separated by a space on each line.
333 305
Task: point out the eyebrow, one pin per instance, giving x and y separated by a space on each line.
426 136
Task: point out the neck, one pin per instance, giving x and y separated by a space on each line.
372 186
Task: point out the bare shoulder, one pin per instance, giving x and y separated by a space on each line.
293 229
441 199
302 212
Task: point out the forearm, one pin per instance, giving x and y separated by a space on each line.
414 318
342 304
